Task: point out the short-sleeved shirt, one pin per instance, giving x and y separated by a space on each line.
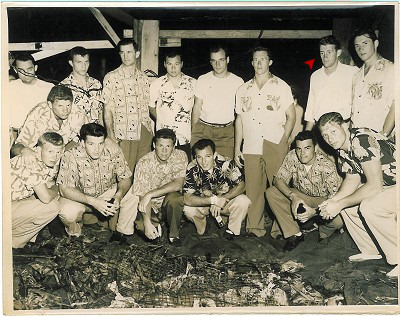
24 97
367 145
25 177
373 95
218 95
86 99
174 105
92 177
263 112
330 93
151 173
321 180
223 177
41 119
128 97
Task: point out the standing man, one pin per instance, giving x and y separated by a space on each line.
369 188
126 105
89 178
265 119
314 179
214 184
34 194
157 186
373 86
171 101
25 92
85 89
214 103
330 86
55 115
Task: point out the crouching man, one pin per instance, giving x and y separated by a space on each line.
34 194
93 180
367 197
214 184
314 179
157 186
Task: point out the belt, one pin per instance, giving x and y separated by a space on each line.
216 125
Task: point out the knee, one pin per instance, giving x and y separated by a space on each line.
173 199
70 213
271 191
242 201
367 205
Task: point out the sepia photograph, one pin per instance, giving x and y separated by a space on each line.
199 157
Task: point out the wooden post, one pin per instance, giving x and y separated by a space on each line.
342 30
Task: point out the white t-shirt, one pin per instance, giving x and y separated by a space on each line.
24 97
263 112
330 93
218 95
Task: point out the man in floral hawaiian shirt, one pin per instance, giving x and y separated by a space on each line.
126 105
157 186
86 90
55 115
34 194
314 179
214 184
171 101
90 176
368 190
373 86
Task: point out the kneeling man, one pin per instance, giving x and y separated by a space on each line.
34 194
314 179
214 184
93 179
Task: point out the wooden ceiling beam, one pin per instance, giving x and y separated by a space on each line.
106 26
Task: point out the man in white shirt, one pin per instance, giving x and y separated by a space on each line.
25 92
214 104
171 101
373 86
330 86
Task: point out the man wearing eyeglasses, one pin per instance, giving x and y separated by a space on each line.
213 110
25 92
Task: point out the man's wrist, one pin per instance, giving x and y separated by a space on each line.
213 199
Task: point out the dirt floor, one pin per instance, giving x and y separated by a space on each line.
90 272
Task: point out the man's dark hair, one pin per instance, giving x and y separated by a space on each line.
52 138
92 129
330 117
330 40
304 135
165 133
201 144
77 50
173 54
261 49
127 41
24 57
60 92
367 33
217 47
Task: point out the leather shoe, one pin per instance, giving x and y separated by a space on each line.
117 236
176 242
251 234
229 235
293 242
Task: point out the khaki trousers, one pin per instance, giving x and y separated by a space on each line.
380 215
281 207
29 217
236 210
135 149
72 212
258 169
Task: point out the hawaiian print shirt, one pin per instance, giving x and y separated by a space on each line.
128 97
41 119
174 106
367 145
321 180
25 177
151 174
92 177
86 99
224 176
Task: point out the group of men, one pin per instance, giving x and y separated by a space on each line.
206 131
